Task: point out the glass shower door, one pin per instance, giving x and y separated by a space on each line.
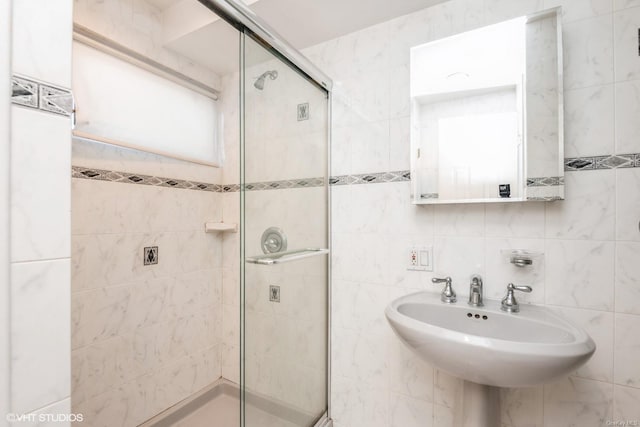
284 208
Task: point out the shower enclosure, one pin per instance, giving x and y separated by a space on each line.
212 327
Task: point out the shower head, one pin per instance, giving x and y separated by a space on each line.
259 83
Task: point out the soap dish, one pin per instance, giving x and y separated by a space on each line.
521 257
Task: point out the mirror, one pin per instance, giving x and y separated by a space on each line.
487 116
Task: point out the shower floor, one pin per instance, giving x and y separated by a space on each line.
224 411
219 406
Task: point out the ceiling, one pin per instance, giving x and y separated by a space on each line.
305 23
195 32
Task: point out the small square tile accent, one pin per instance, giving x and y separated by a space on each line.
151 255
274 293
303 111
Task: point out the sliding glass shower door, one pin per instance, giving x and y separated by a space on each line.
284 205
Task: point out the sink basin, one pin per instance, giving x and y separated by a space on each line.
486 345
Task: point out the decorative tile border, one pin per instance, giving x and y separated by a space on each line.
130 178
571 164
136 178
427 196
41 96
602 162
24 92
231 188
277 185
371 178
545 181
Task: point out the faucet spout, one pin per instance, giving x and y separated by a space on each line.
476 291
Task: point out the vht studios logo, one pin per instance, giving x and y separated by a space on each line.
42 418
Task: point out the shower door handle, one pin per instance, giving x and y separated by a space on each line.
287 256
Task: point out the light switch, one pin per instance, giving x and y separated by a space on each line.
425 258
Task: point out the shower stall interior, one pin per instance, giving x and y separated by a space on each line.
200 219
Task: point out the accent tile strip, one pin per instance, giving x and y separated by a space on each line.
130 178
41 96
22 92
602 162
545 181
276 185
426 196
370 178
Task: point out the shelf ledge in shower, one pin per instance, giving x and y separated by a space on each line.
216 227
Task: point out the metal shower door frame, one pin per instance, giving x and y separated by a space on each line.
247 22
325 420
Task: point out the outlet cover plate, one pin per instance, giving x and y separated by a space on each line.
420 258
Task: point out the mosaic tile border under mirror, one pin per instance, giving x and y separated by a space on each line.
612 161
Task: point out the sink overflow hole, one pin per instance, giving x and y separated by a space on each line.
477 316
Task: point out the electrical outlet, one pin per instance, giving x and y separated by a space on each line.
420 258
413 257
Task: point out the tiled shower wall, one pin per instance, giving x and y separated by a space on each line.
143 337
590 241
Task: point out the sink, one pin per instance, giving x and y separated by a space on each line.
486 345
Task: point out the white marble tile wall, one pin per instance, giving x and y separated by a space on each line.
40 212
278 145
143 337
590 240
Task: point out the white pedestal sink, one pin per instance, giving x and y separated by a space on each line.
489 347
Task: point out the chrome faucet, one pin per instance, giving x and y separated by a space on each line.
448 295
509 302
475 291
